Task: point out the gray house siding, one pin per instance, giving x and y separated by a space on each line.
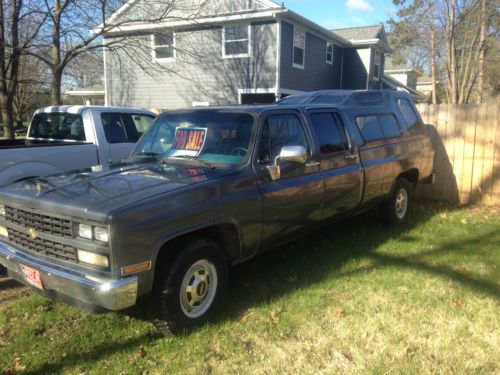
199 73
355 69
317 74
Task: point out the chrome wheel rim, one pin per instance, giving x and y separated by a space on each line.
198 288
401 205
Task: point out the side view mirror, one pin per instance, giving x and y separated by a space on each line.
294 154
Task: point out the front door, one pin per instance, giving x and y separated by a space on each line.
294 201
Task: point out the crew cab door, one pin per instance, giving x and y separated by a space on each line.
294 200
121 131
340 165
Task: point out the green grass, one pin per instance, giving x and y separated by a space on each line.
357 297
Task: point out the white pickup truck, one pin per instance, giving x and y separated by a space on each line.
68 138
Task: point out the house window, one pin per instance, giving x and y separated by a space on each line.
329 53
376 66
236 41
299 48
163 45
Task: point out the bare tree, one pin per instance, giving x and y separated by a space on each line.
21 21
76 27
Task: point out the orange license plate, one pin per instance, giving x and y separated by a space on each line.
32 276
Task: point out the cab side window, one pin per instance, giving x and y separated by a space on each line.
280 131
114 127
329 133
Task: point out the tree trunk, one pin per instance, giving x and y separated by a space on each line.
452 54
7 121
433 57
55 91
482 46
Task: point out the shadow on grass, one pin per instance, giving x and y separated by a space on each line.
101 351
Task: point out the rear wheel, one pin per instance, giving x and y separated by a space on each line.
398 208
189 292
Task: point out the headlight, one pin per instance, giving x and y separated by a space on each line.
93 258
85 231
3 231
101 234
2 210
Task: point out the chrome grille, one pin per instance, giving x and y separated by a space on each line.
42 223
42 246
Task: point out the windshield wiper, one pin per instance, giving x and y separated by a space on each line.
146 153
187 157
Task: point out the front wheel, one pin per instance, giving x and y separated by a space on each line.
399 206
188 294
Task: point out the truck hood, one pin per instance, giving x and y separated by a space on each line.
95 192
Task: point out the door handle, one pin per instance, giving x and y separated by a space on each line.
351 156
313 164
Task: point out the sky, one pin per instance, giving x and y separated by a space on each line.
334 14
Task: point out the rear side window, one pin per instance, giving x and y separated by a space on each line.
329 133
370 128
60 126
409 115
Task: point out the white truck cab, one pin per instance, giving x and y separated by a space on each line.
64 138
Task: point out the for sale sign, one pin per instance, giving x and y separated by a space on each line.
188 141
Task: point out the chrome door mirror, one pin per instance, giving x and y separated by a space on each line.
295 154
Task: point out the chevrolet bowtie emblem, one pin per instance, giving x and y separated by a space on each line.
33 233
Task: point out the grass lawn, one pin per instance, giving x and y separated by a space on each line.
358 297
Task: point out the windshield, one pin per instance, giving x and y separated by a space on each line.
211 136
57 126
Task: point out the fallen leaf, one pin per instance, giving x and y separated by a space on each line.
459 302
463 271
443 215
348 355
18 366
339 313
404 356
142 352
464 221
274 317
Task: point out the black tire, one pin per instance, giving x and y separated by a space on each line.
394 210
200 267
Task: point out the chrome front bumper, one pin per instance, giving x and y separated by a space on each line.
110 294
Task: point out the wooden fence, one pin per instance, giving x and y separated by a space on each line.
467 162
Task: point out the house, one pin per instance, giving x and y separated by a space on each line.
233 51
93 95
400 77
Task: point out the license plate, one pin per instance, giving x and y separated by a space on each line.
32 276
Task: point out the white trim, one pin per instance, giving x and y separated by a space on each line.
269 3
104 52
298 66
332 53
153 50
241 55
278 58
375 53
200 104
255 91
202 21
342 69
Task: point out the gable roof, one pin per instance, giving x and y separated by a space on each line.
359 33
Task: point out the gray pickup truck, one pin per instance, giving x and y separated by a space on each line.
208 188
